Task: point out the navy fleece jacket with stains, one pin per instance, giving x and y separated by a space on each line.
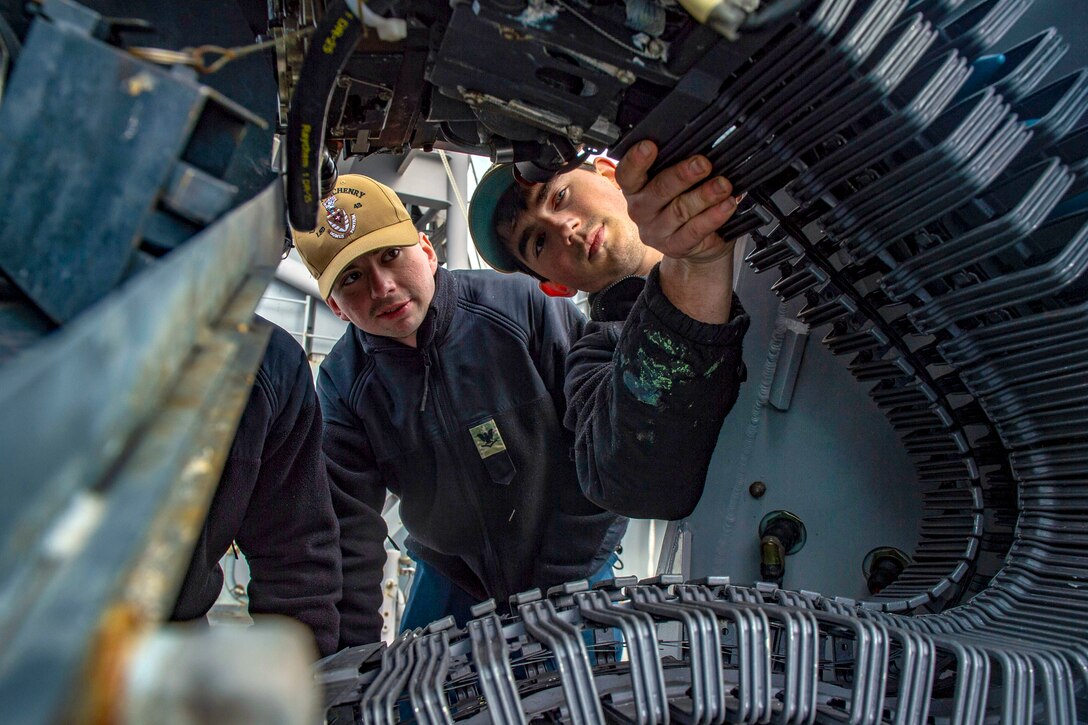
646 398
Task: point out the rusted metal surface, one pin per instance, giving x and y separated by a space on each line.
193 432
114 436
152 584
72 404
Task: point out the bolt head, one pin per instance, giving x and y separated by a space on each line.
757 489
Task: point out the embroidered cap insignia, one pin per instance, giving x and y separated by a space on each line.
340 226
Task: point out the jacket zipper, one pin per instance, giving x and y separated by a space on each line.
441 395
426 381
597 300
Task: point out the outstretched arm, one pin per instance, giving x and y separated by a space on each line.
649 398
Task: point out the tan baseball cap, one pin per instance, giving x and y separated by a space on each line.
360 215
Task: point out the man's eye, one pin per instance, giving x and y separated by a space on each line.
538 245
349 278
560 195
391 254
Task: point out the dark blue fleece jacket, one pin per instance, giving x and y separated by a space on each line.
467 430
273 499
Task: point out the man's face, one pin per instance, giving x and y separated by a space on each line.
576 231
387 292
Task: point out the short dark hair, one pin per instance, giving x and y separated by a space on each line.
513 202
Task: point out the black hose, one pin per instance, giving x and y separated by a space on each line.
329 173
330 46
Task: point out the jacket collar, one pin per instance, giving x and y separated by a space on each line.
615 301
435 324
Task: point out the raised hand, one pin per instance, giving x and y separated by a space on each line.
673 217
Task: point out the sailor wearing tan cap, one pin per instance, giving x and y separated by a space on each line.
447 390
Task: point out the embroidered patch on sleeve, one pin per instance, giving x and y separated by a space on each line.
487 438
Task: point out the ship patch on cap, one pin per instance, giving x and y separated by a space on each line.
339 224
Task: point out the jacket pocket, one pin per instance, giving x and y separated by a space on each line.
501 467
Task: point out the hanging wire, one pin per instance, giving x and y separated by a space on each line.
196 57
456 192
604 33
475 175
454 184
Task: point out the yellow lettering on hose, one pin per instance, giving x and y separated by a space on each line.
304 142
304 146
338 30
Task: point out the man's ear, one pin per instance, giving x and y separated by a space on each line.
336 309
555 289
606 167
428 249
